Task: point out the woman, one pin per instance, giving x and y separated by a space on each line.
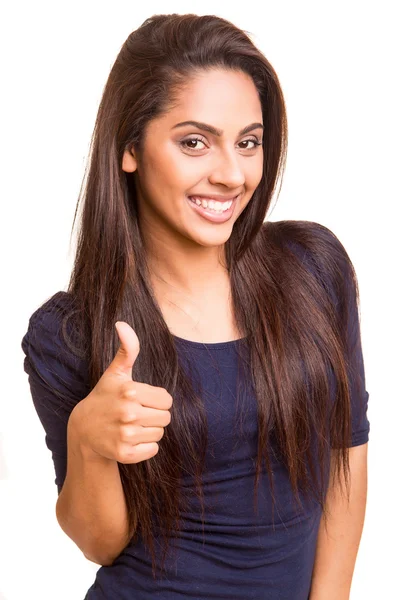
201 383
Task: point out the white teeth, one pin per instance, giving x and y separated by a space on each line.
213 205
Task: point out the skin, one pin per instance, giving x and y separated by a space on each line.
176 238
339 538
167 172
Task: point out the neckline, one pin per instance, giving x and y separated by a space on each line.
209 345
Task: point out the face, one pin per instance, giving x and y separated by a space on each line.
182 161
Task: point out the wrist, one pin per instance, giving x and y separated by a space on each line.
76 437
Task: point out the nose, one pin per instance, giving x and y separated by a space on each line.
228 170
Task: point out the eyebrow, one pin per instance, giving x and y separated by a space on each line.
216 131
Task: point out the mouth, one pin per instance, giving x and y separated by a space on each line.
223 213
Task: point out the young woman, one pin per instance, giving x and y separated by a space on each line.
201 383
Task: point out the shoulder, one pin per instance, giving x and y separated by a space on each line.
56 319
52 311
54 348
316 247
308 237
317 251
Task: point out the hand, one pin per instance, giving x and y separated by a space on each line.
122 419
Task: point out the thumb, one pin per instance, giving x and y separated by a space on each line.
127 352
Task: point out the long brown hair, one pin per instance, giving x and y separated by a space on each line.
295 329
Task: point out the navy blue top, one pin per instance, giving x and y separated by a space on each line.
245 555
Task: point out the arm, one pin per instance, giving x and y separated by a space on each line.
339 538
91 508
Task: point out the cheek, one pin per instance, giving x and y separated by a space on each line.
254 175
173 171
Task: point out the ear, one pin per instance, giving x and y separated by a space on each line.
129 163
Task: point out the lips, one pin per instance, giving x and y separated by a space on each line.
212 216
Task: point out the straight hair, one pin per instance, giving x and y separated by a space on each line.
295 324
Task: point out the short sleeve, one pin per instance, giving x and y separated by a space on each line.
340 280
359 396
321 252
57 373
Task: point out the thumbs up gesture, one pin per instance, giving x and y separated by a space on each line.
122 419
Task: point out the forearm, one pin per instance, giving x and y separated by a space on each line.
91 508
339 537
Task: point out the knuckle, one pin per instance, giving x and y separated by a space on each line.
128 415
128 453
128 433
128 392
121 453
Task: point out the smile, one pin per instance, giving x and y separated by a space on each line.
212 210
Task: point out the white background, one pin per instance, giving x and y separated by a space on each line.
338 66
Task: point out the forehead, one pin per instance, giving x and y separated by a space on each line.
220 97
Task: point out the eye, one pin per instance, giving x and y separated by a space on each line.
194 140
189 141
254 141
